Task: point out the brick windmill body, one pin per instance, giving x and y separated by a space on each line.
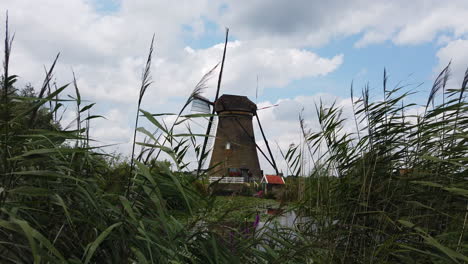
234 152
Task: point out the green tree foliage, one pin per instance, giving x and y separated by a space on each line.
20 101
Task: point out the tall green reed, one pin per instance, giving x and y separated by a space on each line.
396 183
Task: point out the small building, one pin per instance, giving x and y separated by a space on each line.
273 184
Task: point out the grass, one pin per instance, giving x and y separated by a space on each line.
393 190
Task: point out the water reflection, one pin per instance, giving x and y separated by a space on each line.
282 218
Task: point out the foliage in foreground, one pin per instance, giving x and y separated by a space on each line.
63 200
394 190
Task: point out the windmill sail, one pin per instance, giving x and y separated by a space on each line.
199 105
201 160
212 134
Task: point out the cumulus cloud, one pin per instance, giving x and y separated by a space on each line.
456 52
281 123
108 51
271 39
113 128
277 67
314 23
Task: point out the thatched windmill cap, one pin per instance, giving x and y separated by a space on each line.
229 102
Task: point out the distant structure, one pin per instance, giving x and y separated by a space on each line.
234 157
234 149
273 184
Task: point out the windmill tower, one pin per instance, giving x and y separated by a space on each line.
234 149
234 156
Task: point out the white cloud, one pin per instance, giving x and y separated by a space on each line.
108 50
455 51
313 23
437 19
113 130
281 123
371 37
443 40
276 67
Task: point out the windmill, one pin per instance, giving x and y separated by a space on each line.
234 157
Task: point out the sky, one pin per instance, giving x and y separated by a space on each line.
301 51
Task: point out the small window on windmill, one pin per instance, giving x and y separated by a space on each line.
228 145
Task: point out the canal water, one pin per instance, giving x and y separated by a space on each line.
288 219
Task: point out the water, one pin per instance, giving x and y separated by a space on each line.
283 219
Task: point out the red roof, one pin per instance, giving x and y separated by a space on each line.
274 179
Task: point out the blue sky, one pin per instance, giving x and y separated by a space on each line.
302 51
407 63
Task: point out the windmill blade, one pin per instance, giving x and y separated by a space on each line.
212 134
267 145
266 107
211 138
200 162
200 106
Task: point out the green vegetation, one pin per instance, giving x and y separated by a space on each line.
241 208
394 190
